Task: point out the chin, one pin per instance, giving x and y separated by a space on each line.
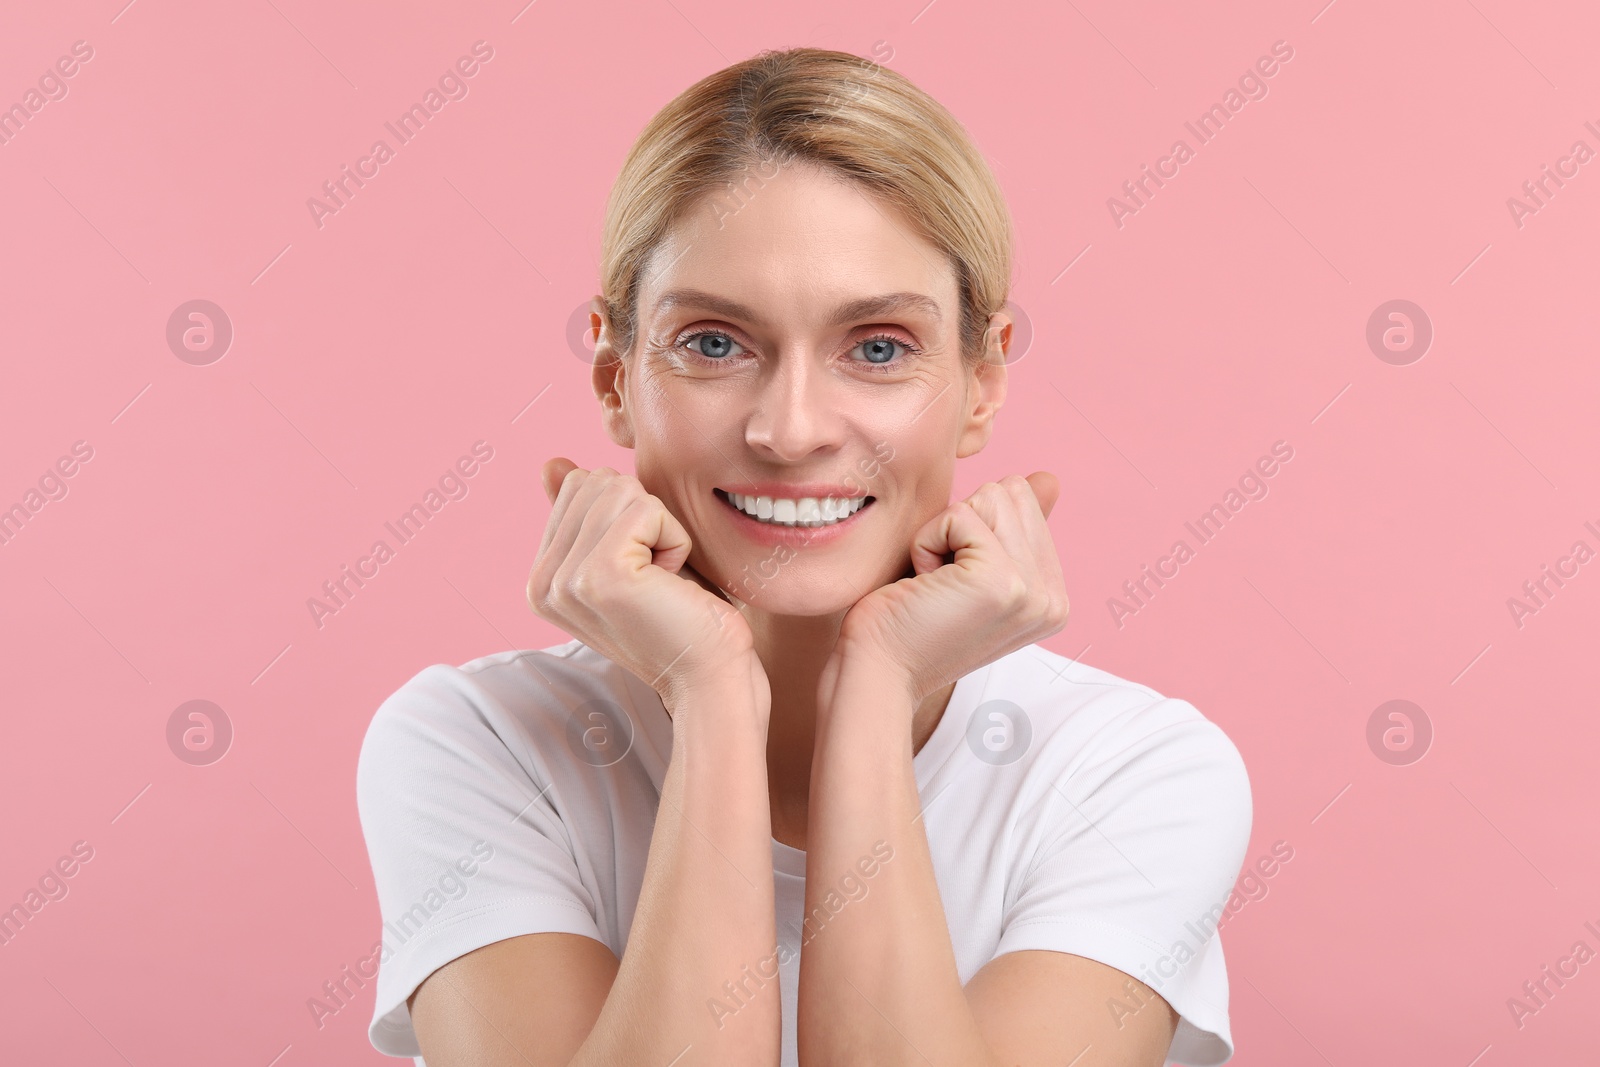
820 592
801 605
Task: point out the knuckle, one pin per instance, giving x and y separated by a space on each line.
594 585
575 478
542 599
579 585
626 487
1054 611
553 600
538 579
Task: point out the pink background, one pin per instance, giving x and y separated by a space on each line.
369 354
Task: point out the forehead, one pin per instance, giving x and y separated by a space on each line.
796 247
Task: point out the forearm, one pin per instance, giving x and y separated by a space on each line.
879 983
705 912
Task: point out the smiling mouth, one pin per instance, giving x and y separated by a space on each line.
806 512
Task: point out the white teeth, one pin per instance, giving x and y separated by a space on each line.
806 511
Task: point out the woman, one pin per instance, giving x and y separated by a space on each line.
803 705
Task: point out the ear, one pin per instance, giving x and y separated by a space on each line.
986 387
609 378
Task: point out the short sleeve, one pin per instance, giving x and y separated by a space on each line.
1140 846
466 848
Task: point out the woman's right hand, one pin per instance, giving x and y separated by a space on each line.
612 571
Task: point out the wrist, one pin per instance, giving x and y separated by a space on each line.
859 672
740 683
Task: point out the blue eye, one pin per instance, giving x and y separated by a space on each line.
880 356
718 349
877 347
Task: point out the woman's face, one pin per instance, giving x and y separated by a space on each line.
802 344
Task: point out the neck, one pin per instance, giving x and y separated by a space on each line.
793 650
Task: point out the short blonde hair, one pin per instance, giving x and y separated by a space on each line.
854 117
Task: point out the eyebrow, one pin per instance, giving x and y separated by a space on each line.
866 307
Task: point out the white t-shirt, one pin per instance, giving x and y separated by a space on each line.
1065 808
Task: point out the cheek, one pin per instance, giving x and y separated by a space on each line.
677 446
670 409
918 455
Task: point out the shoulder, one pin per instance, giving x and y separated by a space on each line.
1078 706
507 708
490 691
1110 734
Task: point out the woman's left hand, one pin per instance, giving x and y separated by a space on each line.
1002 590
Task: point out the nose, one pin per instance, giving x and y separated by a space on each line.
797 410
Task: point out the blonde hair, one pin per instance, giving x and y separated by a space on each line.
854 117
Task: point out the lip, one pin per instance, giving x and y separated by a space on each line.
793 536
